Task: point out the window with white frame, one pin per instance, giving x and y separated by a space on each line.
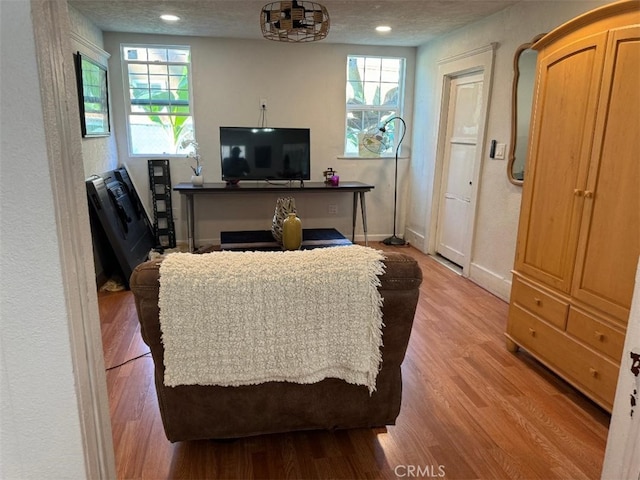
375 87
158 99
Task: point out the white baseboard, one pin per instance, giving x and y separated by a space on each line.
372 238
416 240
182 244
207 242
491 281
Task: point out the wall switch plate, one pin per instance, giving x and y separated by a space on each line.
332 209
500 150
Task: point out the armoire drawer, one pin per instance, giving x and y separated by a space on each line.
595 373
532 334
589 371
540 303
595 333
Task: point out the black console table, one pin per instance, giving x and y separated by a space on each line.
190 192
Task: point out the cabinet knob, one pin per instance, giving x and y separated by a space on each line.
599 336
593 372
532 332
588 194
577 192
537 301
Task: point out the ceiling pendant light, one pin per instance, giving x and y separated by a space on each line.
294 21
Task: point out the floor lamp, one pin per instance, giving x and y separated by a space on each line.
394 239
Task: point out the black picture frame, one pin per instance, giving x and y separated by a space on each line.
93 96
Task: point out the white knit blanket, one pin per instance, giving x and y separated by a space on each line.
242 318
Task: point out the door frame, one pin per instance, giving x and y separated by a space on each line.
448 140
480 61
58 90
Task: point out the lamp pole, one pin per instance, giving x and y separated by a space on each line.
394 239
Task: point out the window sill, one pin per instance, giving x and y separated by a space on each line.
169 156
373 157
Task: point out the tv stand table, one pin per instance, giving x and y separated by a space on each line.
190 192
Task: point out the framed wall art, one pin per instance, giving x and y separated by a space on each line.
93 96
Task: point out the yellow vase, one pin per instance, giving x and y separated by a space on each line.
292 232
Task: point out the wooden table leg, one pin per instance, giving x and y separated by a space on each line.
363 206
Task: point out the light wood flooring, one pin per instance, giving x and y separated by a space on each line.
470 409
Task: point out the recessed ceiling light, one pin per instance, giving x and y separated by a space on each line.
383 28
169 18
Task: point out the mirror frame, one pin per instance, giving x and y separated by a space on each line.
514 107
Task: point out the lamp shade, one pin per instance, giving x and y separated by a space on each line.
381 140
377 142
294 21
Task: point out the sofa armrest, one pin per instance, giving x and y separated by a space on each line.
399 287
145 285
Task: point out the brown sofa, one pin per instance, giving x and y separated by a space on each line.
191 412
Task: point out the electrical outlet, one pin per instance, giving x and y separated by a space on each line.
263 104
332 209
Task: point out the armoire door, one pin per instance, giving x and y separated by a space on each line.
567 87
610 233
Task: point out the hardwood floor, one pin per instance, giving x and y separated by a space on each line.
470 409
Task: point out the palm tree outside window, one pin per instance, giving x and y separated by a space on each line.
374 94
159 101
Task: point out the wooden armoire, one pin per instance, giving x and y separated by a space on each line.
579 231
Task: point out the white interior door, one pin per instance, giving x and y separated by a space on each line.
460 152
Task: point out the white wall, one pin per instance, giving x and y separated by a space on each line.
305 87
498 208
99 154
40 435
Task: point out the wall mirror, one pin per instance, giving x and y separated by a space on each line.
524 71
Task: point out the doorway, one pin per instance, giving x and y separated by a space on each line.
460 154
51 36
464 86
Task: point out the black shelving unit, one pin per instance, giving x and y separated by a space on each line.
160 185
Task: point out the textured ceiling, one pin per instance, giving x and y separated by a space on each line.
414 22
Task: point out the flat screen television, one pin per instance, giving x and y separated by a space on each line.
265 153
